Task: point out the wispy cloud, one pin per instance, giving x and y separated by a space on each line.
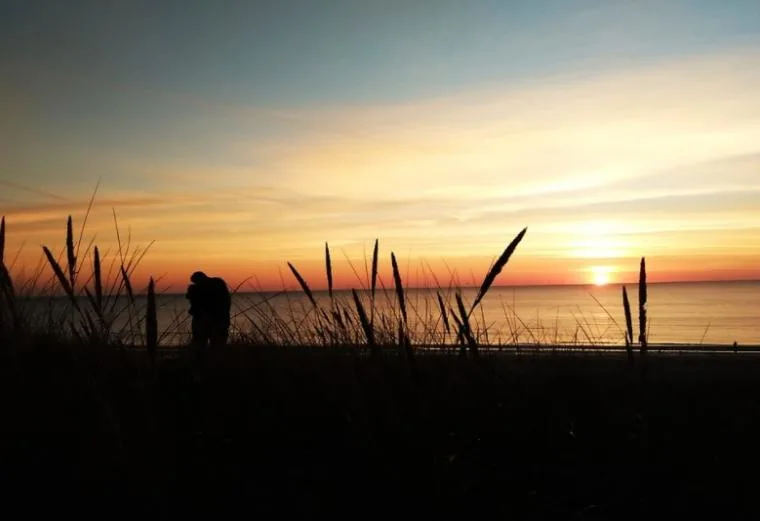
9 186
533 138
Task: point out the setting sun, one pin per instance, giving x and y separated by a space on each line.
600 275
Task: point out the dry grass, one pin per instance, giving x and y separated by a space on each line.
100 305
396 321
308 431
104 307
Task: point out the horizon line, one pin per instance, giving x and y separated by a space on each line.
470 286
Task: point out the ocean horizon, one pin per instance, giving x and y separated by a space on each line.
703 312
619 285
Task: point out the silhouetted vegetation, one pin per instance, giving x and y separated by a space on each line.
364 423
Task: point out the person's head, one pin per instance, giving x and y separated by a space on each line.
198 277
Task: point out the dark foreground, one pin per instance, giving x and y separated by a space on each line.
312 433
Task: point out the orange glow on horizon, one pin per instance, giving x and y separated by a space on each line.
601 275
173 273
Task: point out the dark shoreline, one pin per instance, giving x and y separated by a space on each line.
521 350
304 433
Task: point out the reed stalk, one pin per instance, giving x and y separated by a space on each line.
399 288
496 269
304 286
2 241
364 320
328 270
151 322
643 307
444 315
466 328
70 254
373 280
629 327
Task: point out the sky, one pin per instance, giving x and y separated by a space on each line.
239 136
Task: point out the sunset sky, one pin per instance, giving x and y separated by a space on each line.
241 135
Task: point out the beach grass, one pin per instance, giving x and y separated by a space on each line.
331 410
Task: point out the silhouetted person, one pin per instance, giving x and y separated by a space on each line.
210 305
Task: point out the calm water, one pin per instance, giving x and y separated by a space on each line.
710 313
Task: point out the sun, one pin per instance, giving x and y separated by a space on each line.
600 275
601 278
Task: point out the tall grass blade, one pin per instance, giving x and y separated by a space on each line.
373 281
86 216
151 322
118 236
60 275
444 315
629 326
628 319
70 255
7 300
405 343
338 319
373 284
702 340
304 286
496 268
643 306
347 316
88 326
460 328
399 287
127 284
364 320
6 284
466 329
2 241
98 279
90 298
325 315
328 269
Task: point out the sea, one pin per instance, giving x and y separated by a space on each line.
694 313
